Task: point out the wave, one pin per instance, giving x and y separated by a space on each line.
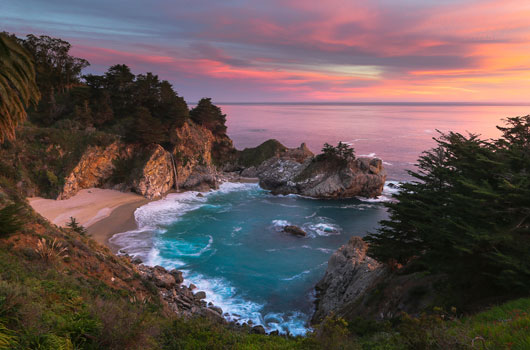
324 229
369 155
390 188
280 224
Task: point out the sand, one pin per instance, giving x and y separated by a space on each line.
103 212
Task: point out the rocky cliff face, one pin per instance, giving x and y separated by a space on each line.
151 171
350 273
94 168
311 177
356 285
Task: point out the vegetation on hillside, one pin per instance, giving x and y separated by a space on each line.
140 108
467 214
256 155
18 89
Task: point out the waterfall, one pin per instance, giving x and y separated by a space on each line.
174 164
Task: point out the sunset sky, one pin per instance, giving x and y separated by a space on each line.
300 50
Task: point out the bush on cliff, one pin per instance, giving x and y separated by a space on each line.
210 116
467 214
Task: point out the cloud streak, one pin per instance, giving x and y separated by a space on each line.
294 50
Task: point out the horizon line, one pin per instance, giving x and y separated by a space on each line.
382 103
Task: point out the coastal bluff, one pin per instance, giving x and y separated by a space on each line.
358 286
299 171
152 170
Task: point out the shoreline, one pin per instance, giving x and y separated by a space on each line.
102 212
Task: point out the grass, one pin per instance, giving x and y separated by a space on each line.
257 155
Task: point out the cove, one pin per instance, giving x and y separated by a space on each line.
229 243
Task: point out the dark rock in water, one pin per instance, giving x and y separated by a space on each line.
258 330
136 261
276 332
349 274
177 275
200 195
200 295
192 286
295 230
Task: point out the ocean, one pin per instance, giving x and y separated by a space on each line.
229 243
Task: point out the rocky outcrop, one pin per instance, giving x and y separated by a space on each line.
253 160
317 178
157 175
294 230
94 168
349 275
356 285
151 170
285 170
179 298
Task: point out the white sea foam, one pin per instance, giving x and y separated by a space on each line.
390 188
369 155
326 250
324 229
298 275
280 224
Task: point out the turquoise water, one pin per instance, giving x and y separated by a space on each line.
229 243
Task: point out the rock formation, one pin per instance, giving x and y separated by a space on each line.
178 297
356 285
349 274
294 230
298 171
149 170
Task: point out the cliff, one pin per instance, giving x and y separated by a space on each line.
151 170
357 286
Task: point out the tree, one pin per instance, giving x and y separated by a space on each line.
146 128
76 226
342 152
210 116
467 214
18 89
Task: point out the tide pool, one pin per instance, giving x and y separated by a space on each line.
229 243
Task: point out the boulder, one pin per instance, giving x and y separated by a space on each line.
294 230
162 278
199 295
258 330
177 275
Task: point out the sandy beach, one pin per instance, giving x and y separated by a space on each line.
103 212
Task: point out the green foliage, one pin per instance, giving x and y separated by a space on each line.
210 116
257 155
8 339
76 227
341 152
467 214
18 89
9 221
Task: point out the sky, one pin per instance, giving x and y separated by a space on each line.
299 50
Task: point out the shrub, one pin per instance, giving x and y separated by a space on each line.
9 222
50 251
76 227
342 152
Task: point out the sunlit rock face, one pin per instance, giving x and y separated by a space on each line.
151 170
364 177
